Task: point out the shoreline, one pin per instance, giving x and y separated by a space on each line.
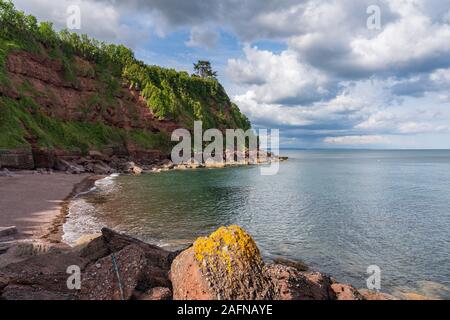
53 234
51 230
35 204
32 201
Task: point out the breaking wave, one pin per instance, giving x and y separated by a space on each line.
82 219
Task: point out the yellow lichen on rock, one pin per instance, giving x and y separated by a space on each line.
227 265
225 246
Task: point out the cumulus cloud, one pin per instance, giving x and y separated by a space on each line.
237 16
409 121
99 20
336 80
279 78
352 106
357 140
203 37
337 39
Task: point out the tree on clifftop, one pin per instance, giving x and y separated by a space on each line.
204 70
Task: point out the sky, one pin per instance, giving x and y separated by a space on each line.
327 73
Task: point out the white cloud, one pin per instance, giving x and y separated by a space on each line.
279 78
406 121
357 140
337 39
203 37
99 20
335 79
411 43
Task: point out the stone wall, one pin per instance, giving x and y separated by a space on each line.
17 159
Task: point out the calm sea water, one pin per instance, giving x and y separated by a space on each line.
338 211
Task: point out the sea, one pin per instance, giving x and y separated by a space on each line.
342 212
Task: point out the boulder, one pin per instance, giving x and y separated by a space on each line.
44 171
6 245
8 231
158 261
111 241
141 266
85 240
131 168
62 165
66 166
105 279
322 282
99 167
136 171
169 165
297 264
15 251
40 277
413 296
4 281
215 165
28 293
76 169
143 270
188 280
155 294
375 295
227 265
346 292
292 284
96 155
5 173
127 165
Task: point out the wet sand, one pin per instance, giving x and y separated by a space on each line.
33 202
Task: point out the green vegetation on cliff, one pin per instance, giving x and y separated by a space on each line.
170 95
18 127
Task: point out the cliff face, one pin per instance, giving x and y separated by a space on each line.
63 95
42 112
82 99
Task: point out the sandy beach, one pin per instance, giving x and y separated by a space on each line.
33 202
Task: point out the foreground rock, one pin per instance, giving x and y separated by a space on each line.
8 231
101 281
346 292
42 277
141 268
155 294
225 266
374 295
292 284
